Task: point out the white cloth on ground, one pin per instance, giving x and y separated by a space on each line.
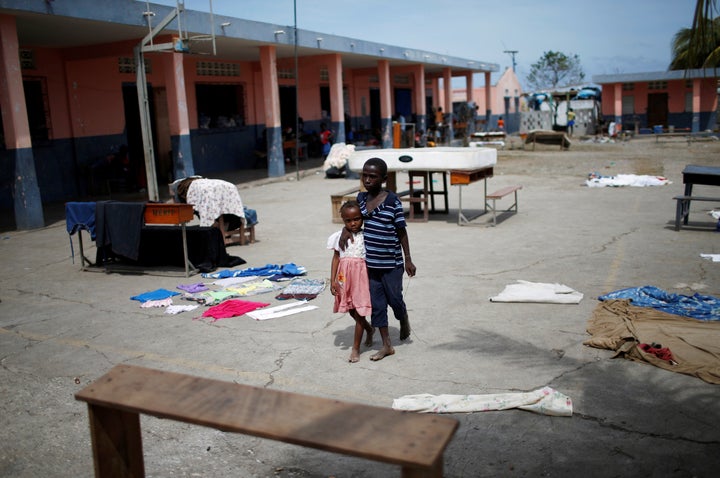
712 257
545 401
176 309
525 291
291 308
626 180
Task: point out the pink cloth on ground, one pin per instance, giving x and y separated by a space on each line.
232 308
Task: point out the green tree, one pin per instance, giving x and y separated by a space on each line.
698 46
555 69
703 35
704 53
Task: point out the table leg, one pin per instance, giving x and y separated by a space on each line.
185 251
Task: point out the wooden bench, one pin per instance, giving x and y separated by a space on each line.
683 207
115 401
337 200
499 194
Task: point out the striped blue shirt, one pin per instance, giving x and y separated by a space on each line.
382 245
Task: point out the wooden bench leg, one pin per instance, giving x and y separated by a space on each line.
435 472
116 443
678 214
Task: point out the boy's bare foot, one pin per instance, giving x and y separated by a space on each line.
404 327
384 352
369 337
354 356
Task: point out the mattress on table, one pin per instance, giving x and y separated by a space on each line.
427 159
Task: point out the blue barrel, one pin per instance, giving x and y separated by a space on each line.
657 129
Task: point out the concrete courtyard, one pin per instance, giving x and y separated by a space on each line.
61 328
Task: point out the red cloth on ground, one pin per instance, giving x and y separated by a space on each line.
232 308
660 352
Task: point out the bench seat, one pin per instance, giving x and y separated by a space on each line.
499 194
682 212
416 442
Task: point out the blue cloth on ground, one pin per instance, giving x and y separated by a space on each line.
158 294
274 271
697 306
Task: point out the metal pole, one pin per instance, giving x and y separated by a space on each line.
142 93
297 82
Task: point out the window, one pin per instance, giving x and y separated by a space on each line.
628 105
628 86
220 105
657 85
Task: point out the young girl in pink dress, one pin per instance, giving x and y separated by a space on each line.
349 279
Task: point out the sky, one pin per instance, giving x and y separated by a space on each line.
609 36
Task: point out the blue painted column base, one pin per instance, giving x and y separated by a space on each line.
28 205
338 128
276 157
183 165
386 128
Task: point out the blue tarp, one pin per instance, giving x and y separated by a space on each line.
697 306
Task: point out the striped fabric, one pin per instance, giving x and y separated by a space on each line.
382 245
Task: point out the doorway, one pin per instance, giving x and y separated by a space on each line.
657 110
287 107
133 132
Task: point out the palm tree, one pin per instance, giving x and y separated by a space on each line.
699 46
691 49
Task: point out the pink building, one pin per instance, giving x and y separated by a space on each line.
502 99
71 95
683 100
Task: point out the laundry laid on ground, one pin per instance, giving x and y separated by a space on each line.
525 291
646 334
270 271
293 307
596 180
158 294
302 289
696 306
545 401
232 308
222 296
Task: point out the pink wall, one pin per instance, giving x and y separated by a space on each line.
508 81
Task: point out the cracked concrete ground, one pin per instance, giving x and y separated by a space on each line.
61 328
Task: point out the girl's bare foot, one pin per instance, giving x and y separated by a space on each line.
369 336
354 356
384 352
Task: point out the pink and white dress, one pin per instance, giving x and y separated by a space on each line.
352 273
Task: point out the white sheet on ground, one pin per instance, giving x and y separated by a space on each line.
525 291
294 307
626 180
712 257
545 401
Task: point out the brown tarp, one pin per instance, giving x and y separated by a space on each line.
695 344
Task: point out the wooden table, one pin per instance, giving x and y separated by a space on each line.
464 177
695 174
